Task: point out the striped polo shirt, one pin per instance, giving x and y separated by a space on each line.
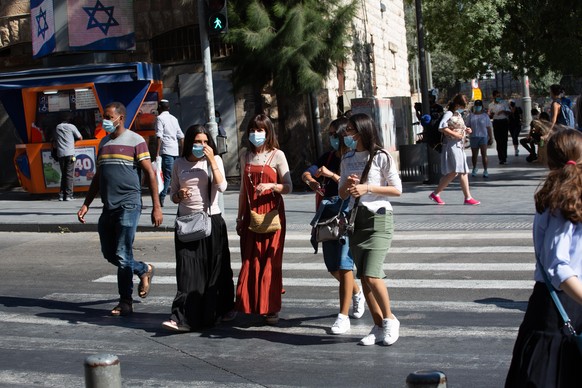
119 181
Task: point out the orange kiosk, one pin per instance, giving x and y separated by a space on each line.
36 100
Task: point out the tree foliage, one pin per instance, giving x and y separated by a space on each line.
469 32
544 35
539 37
293 44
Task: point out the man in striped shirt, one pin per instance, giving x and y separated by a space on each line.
120 154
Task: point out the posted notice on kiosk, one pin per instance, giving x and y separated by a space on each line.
85 167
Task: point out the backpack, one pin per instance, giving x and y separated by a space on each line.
431 134
566 115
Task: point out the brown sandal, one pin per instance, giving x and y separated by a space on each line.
145 282
123 308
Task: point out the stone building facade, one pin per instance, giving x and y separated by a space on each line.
167 33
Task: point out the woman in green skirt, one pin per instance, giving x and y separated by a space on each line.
368 177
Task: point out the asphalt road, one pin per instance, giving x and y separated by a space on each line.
460 297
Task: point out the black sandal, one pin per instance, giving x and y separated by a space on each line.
123 308
144 289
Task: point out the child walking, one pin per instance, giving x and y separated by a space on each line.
544 356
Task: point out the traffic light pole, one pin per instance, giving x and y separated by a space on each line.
207 63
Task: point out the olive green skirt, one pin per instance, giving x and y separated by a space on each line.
370 241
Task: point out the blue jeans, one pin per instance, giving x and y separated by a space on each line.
117 229
167 166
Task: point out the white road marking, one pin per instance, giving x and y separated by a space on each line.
392 283
319 265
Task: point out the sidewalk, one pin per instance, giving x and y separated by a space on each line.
506 203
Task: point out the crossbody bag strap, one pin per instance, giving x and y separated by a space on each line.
210 179
554 295
354 211
365 174
266 163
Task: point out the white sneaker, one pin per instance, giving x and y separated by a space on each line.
358 305
341 324
376 335
391 330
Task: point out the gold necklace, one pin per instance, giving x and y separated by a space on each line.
262 170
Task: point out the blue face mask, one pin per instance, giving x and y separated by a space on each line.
478 108
350 142
334 141
460 111
257 138
198 150
497 99
108 126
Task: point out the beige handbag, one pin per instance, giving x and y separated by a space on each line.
265 223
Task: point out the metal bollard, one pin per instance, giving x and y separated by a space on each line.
426 379
102 371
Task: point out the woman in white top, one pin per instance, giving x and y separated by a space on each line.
373 221
203 270
453 159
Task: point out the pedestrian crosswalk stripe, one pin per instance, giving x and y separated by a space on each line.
489 306
424 250
319 265
398 236
358 330
394 283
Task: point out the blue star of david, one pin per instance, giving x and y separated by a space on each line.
44 28
94 23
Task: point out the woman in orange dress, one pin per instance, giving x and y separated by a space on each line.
265 177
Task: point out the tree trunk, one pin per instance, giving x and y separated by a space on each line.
295 134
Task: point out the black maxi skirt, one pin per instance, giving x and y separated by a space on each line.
204 277
543 356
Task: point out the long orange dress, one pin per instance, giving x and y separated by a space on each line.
260 280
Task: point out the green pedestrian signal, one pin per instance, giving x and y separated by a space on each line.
217 22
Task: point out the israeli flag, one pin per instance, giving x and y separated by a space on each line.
42 23
101 25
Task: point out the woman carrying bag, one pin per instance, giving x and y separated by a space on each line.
336 254
203 270
546 354
265 177
368 177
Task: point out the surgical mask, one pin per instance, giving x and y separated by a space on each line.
478 108
460 111
497 99
257 138
334 141
350 142
108 125
198 150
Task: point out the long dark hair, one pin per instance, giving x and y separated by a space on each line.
365 126
263 121
562 189
190 135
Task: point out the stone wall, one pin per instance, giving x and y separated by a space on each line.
378 62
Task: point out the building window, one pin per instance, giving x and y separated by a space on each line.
183 45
